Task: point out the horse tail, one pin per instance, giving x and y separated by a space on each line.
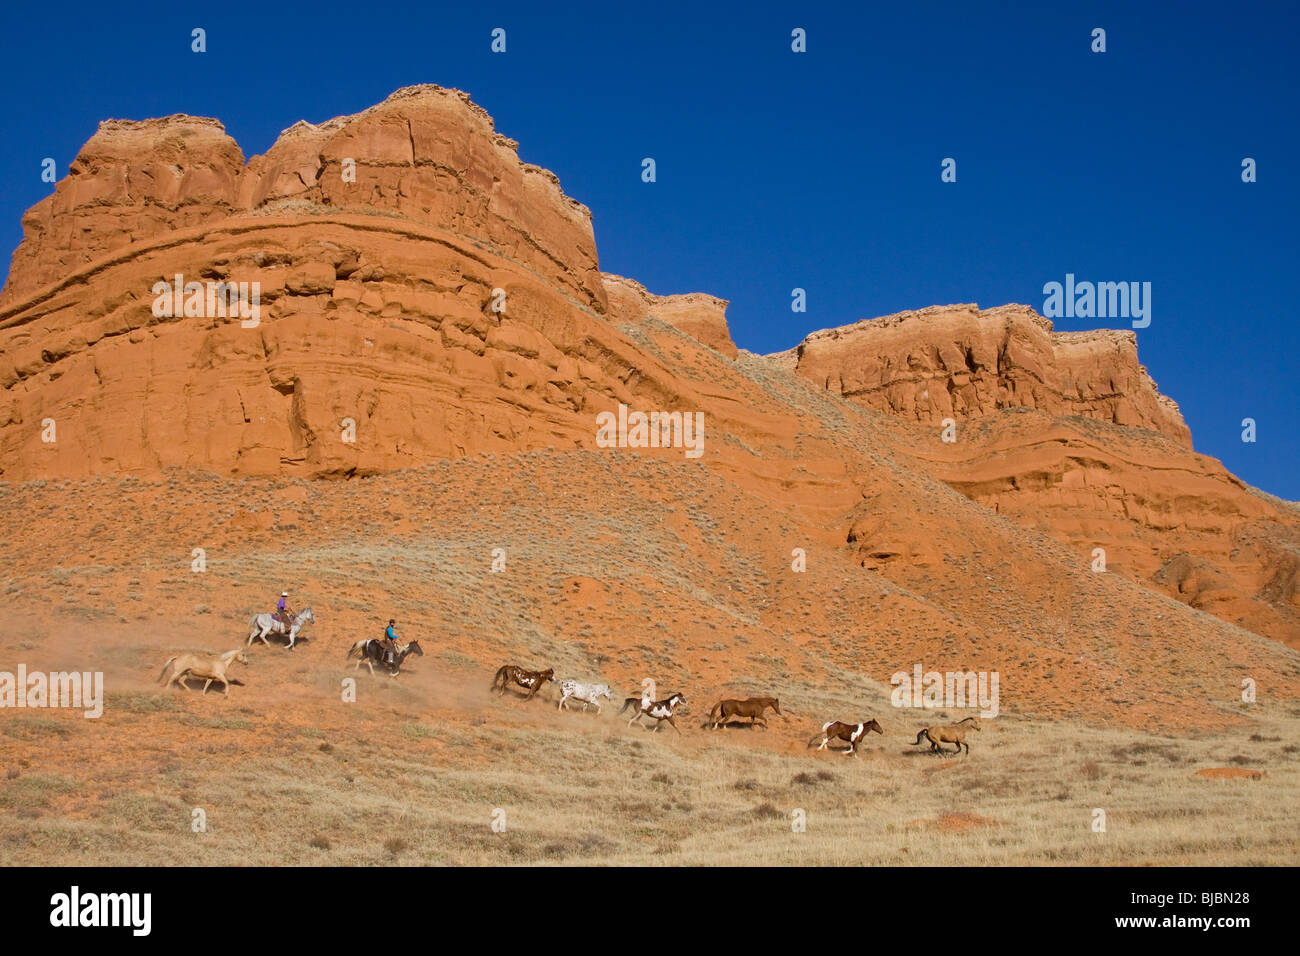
499 678
826 726
628 702
356 648
164 668
924 732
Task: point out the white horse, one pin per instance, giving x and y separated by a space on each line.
261 625
587 693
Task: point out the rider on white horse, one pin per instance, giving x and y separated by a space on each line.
282 612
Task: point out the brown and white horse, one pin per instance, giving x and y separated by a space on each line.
660 710
531 681
853 733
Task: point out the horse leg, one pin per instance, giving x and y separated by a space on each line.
226 684
674 723
825 741
207 684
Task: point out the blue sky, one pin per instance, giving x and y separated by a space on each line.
819 170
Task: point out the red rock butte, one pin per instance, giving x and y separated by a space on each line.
421 282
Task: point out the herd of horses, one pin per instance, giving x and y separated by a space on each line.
214 668
724 713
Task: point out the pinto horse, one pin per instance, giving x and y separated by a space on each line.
948 734
660 710
752 708
370 653
853 733
531 681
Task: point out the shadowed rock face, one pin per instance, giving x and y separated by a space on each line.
447 301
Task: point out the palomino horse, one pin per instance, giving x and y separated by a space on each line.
587 693
948 734
206 667
752 708
660 710
853 733
369 652
261 625
531 681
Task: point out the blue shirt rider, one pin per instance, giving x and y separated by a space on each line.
390 642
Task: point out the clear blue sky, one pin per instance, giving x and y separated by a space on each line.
817 170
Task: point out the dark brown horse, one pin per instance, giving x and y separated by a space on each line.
853 733
531 681
752 708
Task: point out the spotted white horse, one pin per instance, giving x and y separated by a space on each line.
586 693
261 625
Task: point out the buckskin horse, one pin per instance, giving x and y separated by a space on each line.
948 734
752 708
531 681
260 625
660 710
853 733
370 653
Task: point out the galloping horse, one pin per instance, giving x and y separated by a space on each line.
370 653
660 710
752 708
530 681
853 733
948 734
261 625
587 693
206 667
